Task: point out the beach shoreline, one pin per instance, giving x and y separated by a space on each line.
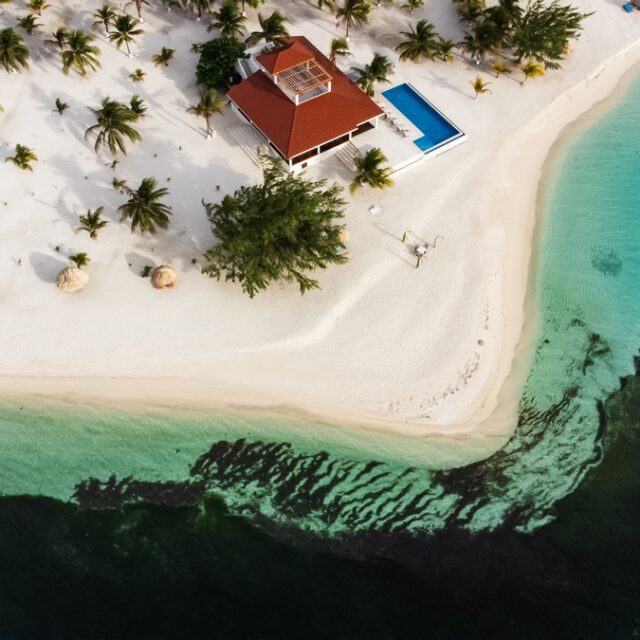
486 408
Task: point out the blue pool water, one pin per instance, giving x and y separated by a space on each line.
436 129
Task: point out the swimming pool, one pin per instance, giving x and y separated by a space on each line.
437 130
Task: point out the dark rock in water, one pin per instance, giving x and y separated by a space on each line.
606 262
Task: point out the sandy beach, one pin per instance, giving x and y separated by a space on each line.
438 350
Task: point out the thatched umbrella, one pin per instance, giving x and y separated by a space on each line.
163 276
343 236
71 280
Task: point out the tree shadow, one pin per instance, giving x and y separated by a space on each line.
46 267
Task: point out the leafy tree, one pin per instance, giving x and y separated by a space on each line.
198 5
59 38
80 259
254 4
29 23
421 41
500 67
339 48
228 19
164 57
217 59
278 230
105 16
469 10
114 120
14 54
38 6
144 208
444 50
412 5
92 222
209 104
80 53
125 28
473 46
542 32
61 107
137 106
330 4
377 71
272 29
23 157
370 170
479 86
353 12
137 75
531 69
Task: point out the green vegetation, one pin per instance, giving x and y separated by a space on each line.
217 58
114 120
92 222
38 6
125 28
353 12
138 4
420 42
370 171
29 23
144 208
14 54
228 20
339 49
412 5
531 69
59 38
61 107
163 58
377 71
479 87
272 29
137 75
80 53
80 259
23 157
209 104
274 231
105 16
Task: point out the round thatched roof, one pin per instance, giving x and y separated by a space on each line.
163 276
71 280
343 236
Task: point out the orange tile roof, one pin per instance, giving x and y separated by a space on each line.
291 54
294 129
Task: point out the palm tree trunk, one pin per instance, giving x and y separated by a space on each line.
206 118
128 50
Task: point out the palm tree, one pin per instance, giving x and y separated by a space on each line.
137 106
92 222
59 38
113 126
272 29
61 107
14 55
412 5
104 16
28 23
339 47
531 69
199 6
138 4
369 170
420 41
377 71
164 57
80 259
445 49
125 28
80 53
500 66
479 86
252 3
23 157
353 12
228 19
209 104
144 208
473 46
137 75
38 6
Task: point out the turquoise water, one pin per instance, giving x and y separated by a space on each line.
436 129
548 526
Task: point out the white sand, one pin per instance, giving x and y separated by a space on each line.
416 351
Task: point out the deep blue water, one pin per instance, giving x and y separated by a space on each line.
435 127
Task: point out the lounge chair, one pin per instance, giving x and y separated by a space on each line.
628 7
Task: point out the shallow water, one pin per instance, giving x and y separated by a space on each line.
187 534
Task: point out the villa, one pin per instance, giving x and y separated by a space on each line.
302 103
